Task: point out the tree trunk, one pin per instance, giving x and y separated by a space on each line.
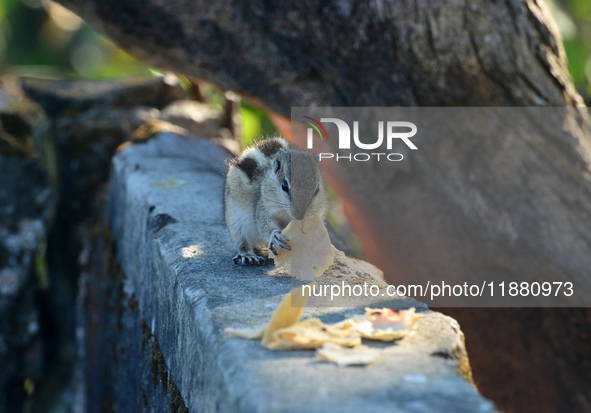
420 53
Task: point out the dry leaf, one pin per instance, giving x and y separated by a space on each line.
342 356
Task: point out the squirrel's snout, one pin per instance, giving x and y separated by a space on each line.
297 213
299 217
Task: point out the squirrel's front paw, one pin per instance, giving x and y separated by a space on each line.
278 240
248 259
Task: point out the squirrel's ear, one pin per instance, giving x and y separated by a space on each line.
317 158
279 158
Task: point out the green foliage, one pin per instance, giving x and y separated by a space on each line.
41 38
256 124
574 21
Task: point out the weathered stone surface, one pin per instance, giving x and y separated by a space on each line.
174 251
18 119
69 160
88 121
26 209
198 118
57 95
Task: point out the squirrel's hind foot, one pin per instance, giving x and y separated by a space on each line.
248 259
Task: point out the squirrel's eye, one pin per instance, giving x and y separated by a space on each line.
317 190
285 186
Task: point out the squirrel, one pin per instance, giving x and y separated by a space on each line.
267 186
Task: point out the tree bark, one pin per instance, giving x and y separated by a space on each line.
420 53
354 53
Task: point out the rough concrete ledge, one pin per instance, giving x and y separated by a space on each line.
165 211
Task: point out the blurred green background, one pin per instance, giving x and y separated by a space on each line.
42 39
574 21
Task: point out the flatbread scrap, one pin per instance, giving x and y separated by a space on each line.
312 333
343 356
249 333
384 324
286 315
311 251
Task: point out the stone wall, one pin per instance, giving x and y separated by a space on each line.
179 287
115 288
